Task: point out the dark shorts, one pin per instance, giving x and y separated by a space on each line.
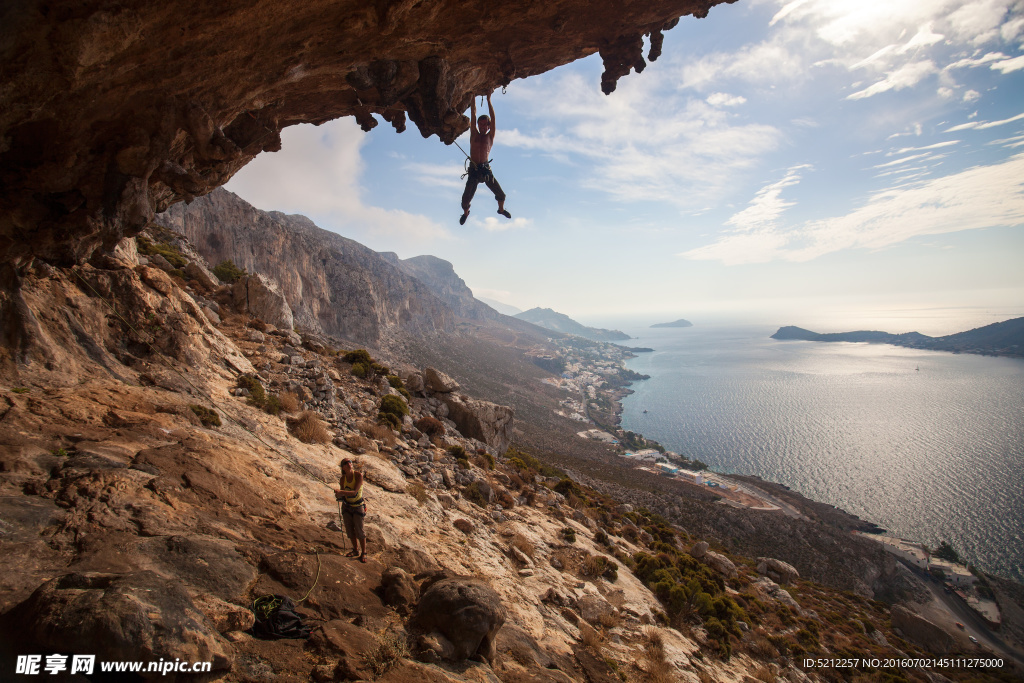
353 518
480 173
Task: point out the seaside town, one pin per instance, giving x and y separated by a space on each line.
595 378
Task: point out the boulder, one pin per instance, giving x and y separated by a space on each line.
777 570
466 611
134 616
224 616
769 590
260 296
593 607
699 549
438 382
198 272
414 382
920 631
476 419
398 589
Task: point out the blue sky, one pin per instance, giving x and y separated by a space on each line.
817 162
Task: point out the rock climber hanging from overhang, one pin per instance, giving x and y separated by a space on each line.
481 139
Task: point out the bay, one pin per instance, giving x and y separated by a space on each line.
928 445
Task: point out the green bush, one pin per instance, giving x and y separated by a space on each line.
208 417
389 419
358 356
172 255
395 381
568 534
568 486
227 271
473 494
458 452
394 405
272 405
257 396
359 370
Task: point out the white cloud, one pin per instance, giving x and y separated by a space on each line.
971 96
493 224
648 141
1009 65
767 205
902 161
984 125
721 99
977 198
906 40
905 76
316 173
436 175
937 145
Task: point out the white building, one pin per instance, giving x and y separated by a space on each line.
908 551
957 574
692 477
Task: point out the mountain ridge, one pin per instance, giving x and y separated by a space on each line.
559 322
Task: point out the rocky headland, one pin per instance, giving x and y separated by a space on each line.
998 339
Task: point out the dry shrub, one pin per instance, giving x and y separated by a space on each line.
764 673
289 402
378 432
417 491
704 677
357 442
761 648
610 620
592 565
524 544
309 428
565 559
517 481
589 636
658 670
505 499
388 651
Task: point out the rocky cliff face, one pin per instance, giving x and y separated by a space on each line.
113 112
334 285
442 279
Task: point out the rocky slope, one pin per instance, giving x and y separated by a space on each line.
333 285
120 497
113 112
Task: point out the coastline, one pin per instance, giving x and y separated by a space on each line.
983 556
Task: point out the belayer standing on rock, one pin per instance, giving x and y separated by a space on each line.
353 508
481 139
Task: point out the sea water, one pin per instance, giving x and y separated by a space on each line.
926 444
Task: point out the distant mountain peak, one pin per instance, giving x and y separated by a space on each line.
559 322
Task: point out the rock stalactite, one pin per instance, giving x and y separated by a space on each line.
111 113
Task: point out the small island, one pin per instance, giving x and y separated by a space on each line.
678 323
